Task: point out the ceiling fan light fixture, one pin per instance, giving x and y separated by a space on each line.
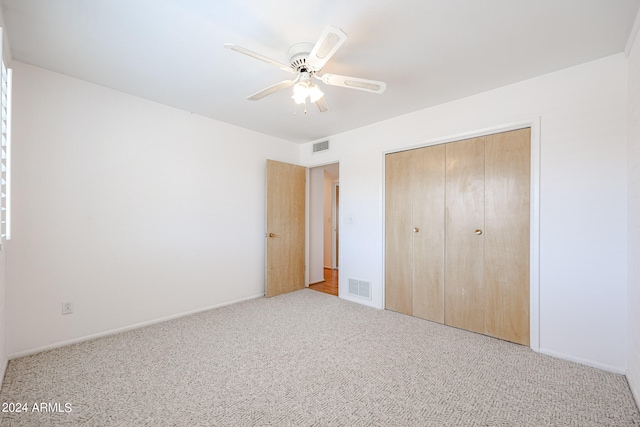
315 93
303 90
299 100
300 92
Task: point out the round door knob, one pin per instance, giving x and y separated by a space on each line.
416 229
478 232
272 235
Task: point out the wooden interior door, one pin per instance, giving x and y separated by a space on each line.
398 233
507 211
428 205
464 293
285 233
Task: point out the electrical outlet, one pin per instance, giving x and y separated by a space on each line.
67 307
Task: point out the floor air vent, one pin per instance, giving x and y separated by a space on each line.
321 146
360 288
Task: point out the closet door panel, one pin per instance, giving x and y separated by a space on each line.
428 232
464 273
507 211
398 233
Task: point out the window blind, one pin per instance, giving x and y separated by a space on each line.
5 155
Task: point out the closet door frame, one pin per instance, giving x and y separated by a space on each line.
534 217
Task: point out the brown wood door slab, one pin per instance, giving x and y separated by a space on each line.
428 232
285 234
464 293
398 233
507 211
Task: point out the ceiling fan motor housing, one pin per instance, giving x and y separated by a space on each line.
298 54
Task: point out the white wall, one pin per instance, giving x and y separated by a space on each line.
320 216
133 210
633 369
328 219
583 214
316 225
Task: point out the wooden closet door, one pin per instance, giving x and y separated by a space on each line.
464 272
428 232
507 211
398 233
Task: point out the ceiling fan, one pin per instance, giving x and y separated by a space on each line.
306 60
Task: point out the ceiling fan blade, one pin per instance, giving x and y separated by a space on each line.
322 104
330 40
353 83
271 89
260 57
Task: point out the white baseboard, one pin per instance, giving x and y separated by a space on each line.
635 390
125 328
603 366
360 301
3 370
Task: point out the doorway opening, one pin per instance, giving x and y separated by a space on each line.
324 228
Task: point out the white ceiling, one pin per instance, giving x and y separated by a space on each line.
427 51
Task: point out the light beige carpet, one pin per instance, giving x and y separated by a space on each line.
310 359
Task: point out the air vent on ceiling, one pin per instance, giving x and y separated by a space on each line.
321 146
360 288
